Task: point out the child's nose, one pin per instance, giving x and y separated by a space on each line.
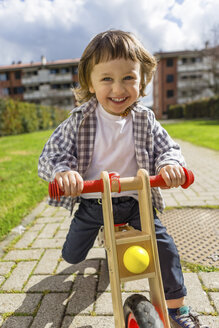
118 87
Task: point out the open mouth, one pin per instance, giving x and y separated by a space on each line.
118 100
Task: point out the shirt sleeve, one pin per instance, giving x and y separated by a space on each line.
59 153
166 150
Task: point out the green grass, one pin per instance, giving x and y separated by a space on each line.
20 187
201 133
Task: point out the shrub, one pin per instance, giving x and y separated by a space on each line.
204 108
18 117
175 111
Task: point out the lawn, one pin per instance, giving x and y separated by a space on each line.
201 133
20 187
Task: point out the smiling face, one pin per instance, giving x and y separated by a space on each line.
116 84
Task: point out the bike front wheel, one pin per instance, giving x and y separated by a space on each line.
140 313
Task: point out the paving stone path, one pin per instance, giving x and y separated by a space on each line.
38 289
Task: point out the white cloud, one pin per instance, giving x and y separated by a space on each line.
62 28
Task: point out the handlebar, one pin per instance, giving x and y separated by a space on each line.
118 184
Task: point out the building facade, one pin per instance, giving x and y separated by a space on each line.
184 76
45 83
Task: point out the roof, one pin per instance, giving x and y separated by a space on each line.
186 52
21 65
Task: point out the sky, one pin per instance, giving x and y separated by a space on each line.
61 29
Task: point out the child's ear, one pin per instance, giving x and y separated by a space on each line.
91 89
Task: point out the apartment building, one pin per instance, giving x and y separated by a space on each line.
46 83
184 76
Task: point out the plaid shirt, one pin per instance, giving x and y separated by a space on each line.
71 147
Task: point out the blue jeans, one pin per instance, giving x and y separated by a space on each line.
89 218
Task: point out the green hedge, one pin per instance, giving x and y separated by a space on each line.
205 108
18 117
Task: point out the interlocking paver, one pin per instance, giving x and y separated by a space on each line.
1 280
18 322
49 230
48 243
37 227
19 276
65 224
63 212
210 321
96 253
19 303
103 284
215 297
85 267
56 283
196 293
49 212
50 219
136 285
61 233
5 267
210 280
51 311
24 254
83 295
88 321
48 262
26 239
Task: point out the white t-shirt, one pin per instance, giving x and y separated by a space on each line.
114 150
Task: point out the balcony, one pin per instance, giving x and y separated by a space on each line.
42 94
46 77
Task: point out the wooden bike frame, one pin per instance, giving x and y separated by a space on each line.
116 244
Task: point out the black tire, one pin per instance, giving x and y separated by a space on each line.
143 311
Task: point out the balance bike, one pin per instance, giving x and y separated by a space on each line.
131 254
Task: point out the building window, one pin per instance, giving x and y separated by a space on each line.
74 70
66 86
169 62
199 59
169 78
17 75
18 90
184 93
184 61
55 86
54 71
3 76
64 70
170 93
4 91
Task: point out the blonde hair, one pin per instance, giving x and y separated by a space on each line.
111 45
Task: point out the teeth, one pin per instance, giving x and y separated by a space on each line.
118 99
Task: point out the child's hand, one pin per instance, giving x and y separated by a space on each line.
70 182
173 175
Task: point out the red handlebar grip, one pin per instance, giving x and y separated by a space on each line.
189 178
158 181
97 185
89 186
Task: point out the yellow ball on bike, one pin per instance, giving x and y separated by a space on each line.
136 259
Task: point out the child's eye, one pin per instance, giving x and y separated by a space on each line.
128 77
107 79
